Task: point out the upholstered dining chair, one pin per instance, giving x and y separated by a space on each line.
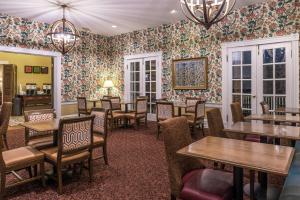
238 116
39 140
164 111
18 159
116 103
113 116
100 131
215 123
5 113
191 104
265 107
139 113
82 106
197 119
188 177
75 145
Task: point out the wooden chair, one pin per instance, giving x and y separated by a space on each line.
82 106
139 113
197 119
4 122
75 145
39 140
106 97
265 107
188 177
116 103
237 112
164 111
191 103
215 123
17 159
113 116
100 131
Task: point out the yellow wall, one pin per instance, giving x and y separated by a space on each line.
23 59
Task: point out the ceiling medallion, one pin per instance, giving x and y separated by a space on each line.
63 34
206 12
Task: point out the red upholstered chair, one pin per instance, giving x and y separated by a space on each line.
237 116
189 180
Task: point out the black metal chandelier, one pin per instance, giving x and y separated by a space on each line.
63 34
206 12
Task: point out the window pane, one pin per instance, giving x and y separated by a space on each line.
268 56
153 76
246 72
153 87
153 108
137 66
236 86
280 102
147 76
137 76
246 101
268 87
131 66
280 55
236 58
247 57
280 71
247 87
280 87
147 65
236 72
148 87
153 97
132 76
268 71
236 98
153 64
137 86
269 101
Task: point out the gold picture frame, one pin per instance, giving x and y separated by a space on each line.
190 74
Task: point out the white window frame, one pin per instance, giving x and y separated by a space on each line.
293 39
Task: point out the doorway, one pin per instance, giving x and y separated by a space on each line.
142 77
262 70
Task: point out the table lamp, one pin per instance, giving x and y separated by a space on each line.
108 84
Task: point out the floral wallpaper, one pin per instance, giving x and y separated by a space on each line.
188 40
97 58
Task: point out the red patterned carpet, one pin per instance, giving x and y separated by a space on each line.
137 170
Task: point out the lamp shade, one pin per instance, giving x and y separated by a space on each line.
108 84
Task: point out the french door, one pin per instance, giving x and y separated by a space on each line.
260 73
143 78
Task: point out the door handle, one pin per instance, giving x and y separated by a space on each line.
254 96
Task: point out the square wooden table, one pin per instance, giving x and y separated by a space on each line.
126 103
241 154
44 126
180 105
274 118
288 110
268 130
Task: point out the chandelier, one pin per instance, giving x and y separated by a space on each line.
63 34
206 12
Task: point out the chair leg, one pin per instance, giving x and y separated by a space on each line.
202 128
146 121
35 170
42 173
173 197
157 134
3 181
105 154
59 179
29 171
91 168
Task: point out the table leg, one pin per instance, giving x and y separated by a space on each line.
55 137
179 111
238 175
94 104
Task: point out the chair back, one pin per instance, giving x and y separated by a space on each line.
164 110
237 112
191 104
37 116
215 123
100 121
107 97
75 135
141 105
5 114
81 104
200 110
115 103
177 135
265 107
106 104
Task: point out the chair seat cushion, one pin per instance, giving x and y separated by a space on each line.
51 154
41 142
98 139
252 138
22 156
207 184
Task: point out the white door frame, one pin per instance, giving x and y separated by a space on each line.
57 70
293 39
130 58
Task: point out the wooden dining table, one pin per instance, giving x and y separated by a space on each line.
180 106
274 118
265 158
267 130
288 110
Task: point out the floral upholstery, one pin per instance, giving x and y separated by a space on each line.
142 106
116 103
191 103
106 104
164 111
200 110
99 121
37 117
76 135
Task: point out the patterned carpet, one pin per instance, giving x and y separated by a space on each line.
137 171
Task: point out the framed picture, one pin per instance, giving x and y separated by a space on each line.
36 69
28 69
190 74
44 70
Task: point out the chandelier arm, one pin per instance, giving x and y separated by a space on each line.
205 12
219 11
186 15
227 13
192 14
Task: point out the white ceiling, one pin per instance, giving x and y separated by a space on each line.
100 15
